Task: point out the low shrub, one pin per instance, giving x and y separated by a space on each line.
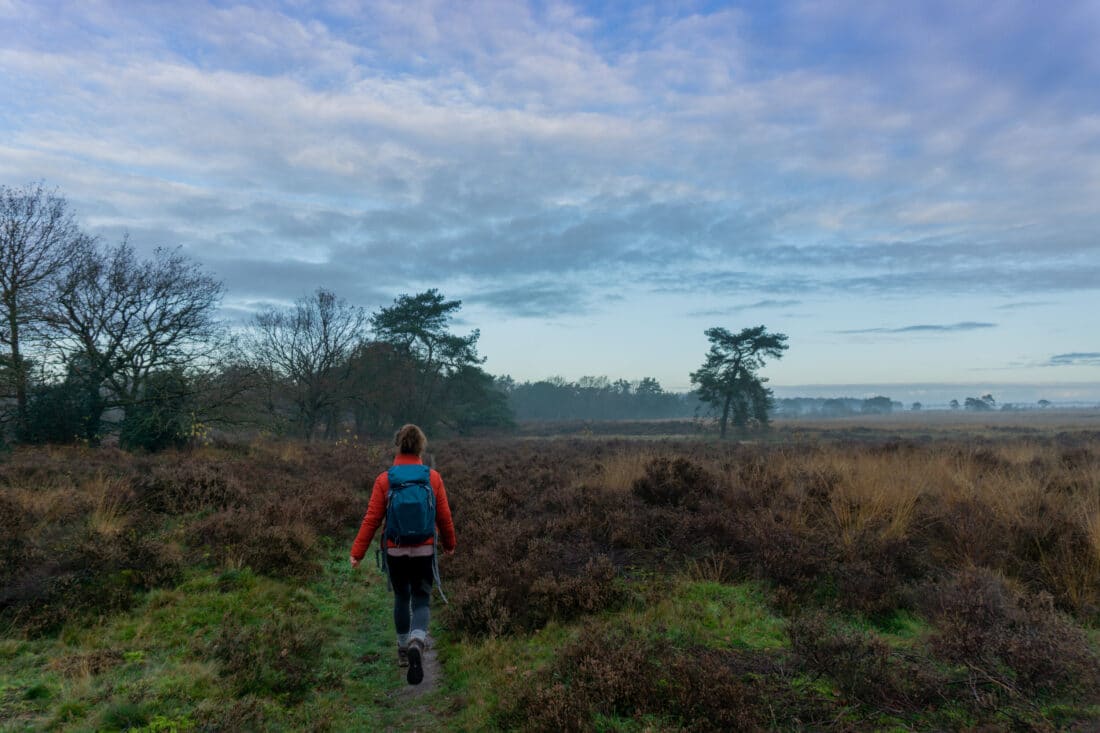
231 716
279 657
565 597
14 525
249 537
188 487
675 482
123 716
1009 642
611 673
862 665
88 663
88 573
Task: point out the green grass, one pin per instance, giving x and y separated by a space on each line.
715 615
687 613
151 669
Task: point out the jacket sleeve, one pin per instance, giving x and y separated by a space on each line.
372 520
443 519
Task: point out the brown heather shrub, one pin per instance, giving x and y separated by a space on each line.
279 657
187 487
281 550
88 663
1009 642
231 716
788 553
520 585
862 665
480 607
327 508
609 672
674 482
620 471
874 571
83 572
567 596
967 531
263 541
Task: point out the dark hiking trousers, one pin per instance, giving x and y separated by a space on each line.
411 578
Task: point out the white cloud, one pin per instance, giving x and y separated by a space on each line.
536 141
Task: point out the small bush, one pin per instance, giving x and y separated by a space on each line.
1009 642
862 665
279 657
161 418
281 550
187 487
674 482
246 713
274 547
14 524
91 573
124 716
60 413
479 608
90 663
567 596
612 673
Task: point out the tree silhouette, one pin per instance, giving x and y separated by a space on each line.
728 379
306 348
118 320
418 326
38 237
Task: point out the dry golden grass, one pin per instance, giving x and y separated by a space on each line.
619 471
874 493
106 494
47 504
997 499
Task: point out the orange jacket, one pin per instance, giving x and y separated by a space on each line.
376 511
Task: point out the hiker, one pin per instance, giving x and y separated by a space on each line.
415 512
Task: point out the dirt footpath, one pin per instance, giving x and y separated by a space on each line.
431 679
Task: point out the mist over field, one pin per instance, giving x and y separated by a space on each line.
939 395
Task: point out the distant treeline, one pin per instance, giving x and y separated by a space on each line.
836 406
596 398
600 398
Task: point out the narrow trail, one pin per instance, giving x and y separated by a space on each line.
432 674
419 704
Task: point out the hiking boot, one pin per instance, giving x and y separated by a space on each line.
402 656
416 665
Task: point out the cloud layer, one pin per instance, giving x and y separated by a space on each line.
536 158
927 328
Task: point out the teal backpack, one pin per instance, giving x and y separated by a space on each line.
410 505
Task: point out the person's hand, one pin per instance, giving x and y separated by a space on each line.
354 563
449 552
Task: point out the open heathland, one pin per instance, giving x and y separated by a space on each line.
816 579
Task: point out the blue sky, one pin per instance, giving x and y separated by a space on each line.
908 190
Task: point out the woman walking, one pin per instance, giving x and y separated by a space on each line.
411 498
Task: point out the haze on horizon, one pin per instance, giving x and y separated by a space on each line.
907 191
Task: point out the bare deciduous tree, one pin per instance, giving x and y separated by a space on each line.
120 319
308 346
38 237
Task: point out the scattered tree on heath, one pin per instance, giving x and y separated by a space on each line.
728 380
417 325
38 236
305 349
119 320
